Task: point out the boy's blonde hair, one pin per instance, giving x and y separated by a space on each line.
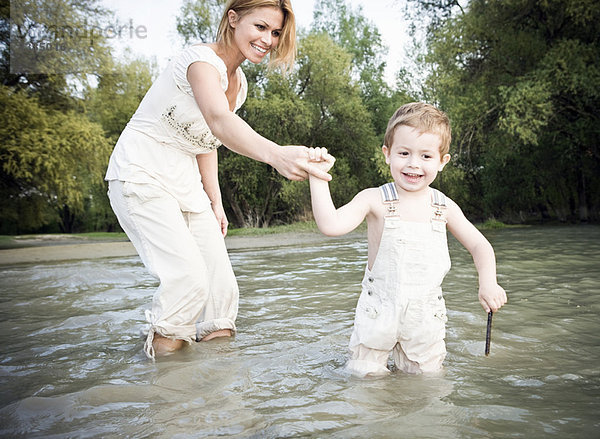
425 118
284 54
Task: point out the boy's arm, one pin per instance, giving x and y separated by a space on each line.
491 295
332 221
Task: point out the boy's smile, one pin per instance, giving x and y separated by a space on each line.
413 178
414 158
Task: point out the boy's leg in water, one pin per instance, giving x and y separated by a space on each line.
366 362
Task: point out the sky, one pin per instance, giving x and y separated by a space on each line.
147 27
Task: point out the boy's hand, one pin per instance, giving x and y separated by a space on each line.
492 297
321 159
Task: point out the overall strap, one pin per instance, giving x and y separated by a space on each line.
438 198
438 201
389 197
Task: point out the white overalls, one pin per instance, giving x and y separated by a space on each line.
401 308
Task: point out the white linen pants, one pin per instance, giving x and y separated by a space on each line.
185 251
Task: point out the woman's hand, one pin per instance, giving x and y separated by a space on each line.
292 161
221 217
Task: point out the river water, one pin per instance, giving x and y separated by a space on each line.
71 361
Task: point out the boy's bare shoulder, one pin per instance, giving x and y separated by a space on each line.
370 194
454 210
371 197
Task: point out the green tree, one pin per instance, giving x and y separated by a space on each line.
118 93
318 105
340 121
49 47
50 162
57 128
198 20
352 31
520 81
254 190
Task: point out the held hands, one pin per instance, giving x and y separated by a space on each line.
296 162
492 297
320 159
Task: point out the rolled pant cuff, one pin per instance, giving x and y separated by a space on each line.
149 348
164 329
364 368
205 328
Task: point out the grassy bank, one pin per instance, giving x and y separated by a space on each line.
16 241
302 227
30 240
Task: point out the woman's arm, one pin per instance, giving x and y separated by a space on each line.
208 167
237 135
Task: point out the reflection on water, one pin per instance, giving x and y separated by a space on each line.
71 360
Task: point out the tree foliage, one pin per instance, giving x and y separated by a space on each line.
318 105
351 30
50 46
253 189
198 20
50 162
520 80
119 91
53 156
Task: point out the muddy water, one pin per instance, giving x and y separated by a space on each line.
71 361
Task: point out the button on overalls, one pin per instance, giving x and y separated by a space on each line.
401 308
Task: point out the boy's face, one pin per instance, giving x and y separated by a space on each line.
414 158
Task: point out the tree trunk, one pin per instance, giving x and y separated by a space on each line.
67 219
235 207
582 195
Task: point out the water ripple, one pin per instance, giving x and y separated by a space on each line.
71 364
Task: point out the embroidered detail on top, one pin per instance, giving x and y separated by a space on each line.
206 140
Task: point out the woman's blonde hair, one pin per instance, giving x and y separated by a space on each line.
425 118
284 54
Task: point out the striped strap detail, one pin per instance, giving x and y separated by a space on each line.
439 199
438 220
388 192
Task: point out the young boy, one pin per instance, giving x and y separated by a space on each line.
401 308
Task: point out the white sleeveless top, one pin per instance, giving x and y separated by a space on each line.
160 143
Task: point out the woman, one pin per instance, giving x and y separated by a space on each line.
163 171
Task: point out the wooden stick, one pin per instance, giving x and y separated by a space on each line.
488 334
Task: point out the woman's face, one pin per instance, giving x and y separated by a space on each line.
256 33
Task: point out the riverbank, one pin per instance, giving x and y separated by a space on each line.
54 248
